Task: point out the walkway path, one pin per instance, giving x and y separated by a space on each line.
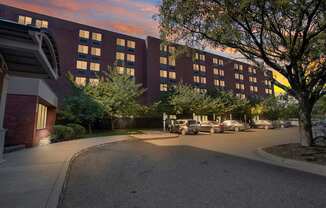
33 178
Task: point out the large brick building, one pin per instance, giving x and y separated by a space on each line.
86 52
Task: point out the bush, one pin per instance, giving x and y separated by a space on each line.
61 132
79 130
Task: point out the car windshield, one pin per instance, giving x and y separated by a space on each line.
191 122
180 122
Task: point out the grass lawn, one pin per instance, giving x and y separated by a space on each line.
112 133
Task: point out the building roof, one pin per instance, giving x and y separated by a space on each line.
28 51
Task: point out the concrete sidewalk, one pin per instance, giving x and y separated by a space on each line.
34 177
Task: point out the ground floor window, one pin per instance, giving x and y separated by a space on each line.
42 111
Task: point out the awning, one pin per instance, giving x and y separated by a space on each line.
28 51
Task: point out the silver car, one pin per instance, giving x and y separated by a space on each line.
263 124
211 127
233 125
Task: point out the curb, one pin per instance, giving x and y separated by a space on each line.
55 197
293 164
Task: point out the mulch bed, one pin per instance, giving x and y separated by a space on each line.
296 152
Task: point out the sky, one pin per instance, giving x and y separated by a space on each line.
134 17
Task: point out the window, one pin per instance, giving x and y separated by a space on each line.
42 111
163 47
268 91
254 71
215 61
172 49
84 34
220 62
120 56
242 86
216 82
222 83
94 66
163 87
80 81
236 66
83 49
96 51
81 65
216 71
196 79
121 42
241 76
130 72
203 80
97 36
171 60
240 67
196 56
195 67
24 20
131 58
163 74
236 76
41 24
202 57
131 44
237 86
203 90
202 68
221 72
163 60
93 81
172 75
120 70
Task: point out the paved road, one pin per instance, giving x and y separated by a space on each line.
144 175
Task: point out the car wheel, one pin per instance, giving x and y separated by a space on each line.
212 131
320 141
236 129
196 132
183 132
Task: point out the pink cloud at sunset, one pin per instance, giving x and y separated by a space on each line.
126 16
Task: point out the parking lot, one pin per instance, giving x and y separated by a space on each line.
242 143
184 172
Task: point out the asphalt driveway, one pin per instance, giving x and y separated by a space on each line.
138 174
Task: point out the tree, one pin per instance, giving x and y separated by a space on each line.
117 93
287 36
80 108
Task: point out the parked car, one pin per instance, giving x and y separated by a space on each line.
185 126
319 133
233 125
285 124
263 124
211 127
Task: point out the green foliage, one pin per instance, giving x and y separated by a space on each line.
320 107
79 130
61 132
117 94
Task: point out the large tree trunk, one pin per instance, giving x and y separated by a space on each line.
306 137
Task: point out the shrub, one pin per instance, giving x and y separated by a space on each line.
61 132
79 130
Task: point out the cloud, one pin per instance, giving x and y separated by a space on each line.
133 17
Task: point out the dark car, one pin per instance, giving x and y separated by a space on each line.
184 126
211 127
